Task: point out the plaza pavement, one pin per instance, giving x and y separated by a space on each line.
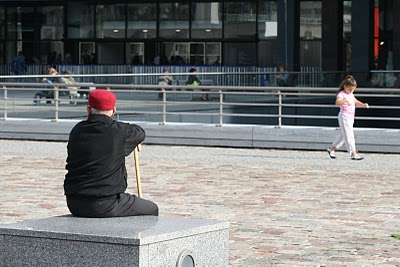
285 207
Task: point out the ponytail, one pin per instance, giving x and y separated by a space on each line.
348 81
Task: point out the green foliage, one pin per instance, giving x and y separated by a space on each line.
396 236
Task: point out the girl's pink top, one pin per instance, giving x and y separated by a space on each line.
347 109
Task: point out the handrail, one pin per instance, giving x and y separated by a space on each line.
306 76
277 106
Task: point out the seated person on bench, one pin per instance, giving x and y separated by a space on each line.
96 180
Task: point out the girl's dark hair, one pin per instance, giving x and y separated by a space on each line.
348 81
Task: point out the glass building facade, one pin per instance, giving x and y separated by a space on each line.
358 35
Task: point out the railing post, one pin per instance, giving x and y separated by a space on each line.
5 102
280 109
56 101
164 113
221 108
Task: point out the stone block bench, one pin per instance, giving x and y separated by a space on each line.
143 241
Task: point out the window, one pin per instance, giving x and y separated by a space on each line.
21 23
142 20
195 53
240 54
110 21
213 54
310 33
310 20
347 32
240 19
174 20
52 22
80 23
3 23
87 52
207 20
135 53
267 53
267 20
110 53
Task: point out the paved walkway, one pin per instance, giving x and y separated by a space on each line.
286 208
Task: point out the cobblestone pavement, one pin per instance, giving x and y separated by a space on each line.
285 208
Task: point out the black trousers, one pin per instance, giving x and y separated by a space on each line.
120 205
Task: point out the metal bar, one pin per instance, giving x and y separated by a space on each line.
221 108
280 110
164 112
144 106
56 101
5 102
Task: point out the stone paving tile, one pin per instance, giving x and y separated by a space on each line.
285 208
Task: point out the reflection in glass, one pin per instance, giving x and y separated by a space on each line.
206 20
3 23
267 19
310 19
174 20
213 54
197 53
142 20
20 24
81 24
240 54
87 51
347 32
310 33
52 22
110 53
180 54
135 53
240 19
310 52
110 21
267 51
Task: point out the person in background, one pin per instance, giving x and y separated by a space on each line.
53 71
282 77
96 177
71 84
59 59
347 102
18 64
195 81
48 94
67 58
164 80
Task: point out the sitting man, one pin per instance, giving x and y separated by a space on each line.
96 180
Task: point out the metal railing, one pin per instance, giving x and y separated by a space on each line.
307 76
232 75
277 106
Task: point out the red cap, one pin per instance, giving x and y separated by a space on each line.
101 99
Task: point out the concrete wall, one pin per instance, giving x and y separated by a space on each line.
249 136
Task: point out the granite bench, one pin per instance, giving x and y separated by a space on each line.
143 241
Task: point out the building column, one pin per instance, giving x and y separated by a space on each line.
361 42
396 35
332 40
289 34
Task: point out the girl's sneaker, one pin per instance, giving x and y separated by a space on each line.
331 153
356 157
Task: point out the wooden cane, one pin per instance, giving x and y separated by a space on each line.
137 170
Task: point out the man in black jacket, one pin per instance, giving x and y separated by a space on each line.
97 178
